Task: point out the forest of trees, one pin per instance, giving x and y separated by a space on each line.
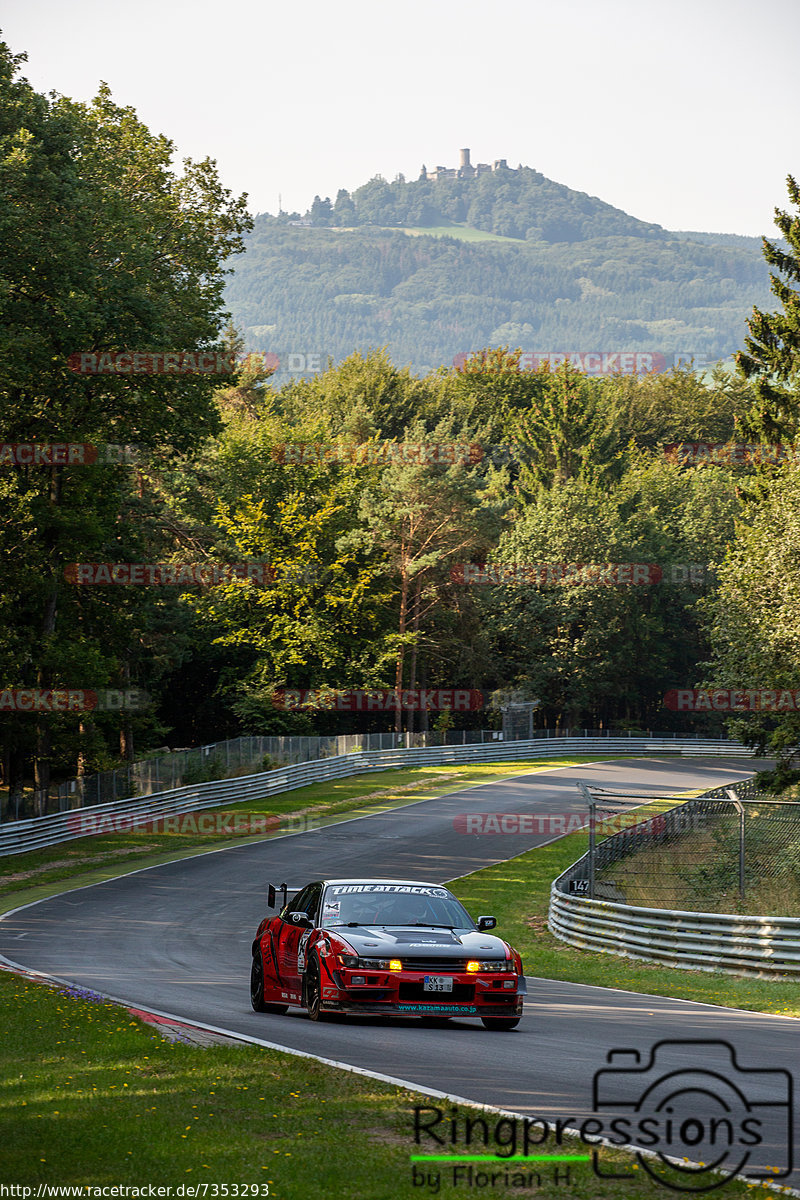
427 299
519 203
367 545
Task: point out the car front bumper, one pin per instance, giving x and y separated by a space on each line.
403 994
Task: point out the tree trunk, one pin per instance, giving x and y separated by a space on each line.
412 683
44 735
398 680
126 727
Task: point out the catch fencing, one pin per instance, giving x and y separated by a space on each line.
248 755
216 760
662 888
36 832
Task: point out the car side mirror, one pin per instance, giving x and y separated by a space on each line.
302 919
486 923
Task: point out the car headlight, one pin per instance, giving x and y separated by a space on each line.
500 964
366 964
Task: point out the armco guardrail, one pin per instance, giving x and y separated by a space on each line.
218 760
696 941
699 941
245 755
60 827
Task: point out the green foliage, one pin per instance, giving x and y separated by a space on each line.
430 298
772 358
363 592
103 248
597 655
566 432
754 616
777 780
677 406
518 204
203 772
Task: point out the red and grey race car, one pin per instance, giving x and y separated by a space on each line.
384 947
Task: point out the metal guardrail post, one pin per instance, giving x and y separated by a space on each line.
740 809
589 798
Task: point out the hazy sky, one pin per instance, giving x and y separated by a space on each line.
683 113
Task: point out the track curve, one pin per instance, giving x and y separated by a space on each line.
176 938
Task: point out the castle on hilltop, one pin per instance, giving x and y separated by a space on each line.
464 170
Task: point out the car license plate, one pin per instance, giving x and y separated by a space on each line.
438 983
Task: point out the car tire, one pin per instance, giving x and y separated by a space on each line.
314 990
498 1023
257 988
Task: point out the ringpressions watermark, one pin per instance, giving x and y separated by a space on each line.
686 1112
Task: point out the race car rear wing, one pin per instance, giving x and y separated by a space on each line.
272 893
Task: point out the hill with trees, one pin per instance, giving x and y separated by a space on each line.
431 269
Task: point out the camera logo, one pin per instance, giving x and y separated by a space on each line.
702 1117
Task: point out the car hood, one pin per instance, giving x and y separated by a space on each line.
373 941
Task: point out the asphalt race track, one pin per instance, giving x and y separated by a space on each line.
177 938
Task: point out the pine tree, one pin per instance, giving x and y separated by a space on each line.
772 358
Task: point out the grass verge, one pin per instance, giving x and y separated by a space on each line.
517 892
37 874
700 870
91 1096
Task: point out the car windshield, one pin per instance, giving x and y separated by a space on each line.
392 904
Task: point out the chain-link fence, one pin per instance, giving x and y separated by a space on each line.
734 849
239 756
218 760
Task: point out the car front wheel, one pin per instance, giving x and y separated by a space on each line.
257 988
314 990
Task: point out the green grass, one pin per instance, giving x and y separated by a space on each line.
699 871
517 892
90 1095
464 233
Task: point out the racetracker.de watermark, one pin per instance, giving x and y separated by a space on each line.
192 362
380 699
377 453
135 362
168 574
703 700
552 823
71 700
589 362
67 454
198 824
619 574
731 453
